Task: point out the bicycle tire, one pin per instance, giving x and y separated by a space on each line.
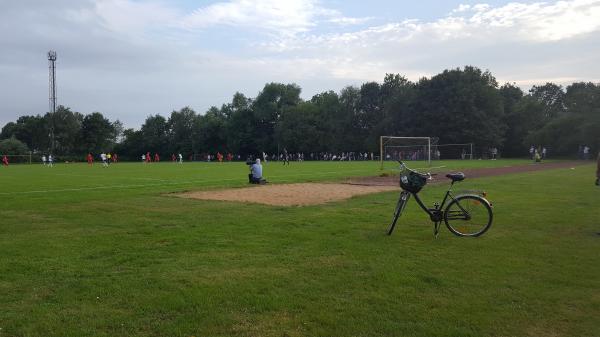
468 215
400 205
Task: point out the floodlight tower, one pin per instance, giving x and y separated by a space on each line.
52 91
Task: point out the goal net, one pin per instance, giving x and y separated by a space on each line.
392 149
452 151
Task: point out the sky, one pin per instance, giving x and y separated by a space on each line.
129 59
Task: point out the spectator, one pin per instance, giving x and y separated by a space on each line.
532 152
255 176
586 152
544 152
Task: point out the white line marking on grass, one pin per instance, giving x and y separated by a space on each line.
111 177
166 183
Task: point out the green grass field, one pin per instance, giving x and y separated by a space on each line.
88 251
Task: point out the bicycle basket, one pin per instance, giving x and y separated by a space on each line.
412 181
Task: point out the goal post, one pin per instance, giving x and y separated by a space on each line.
19 158
404 148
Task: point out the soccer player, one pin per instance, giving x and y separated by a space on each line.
148 157
229 156
44 160
156 158
108 158
173 158
5 160
286 157
219 157
103 158
50 161
180 159
144 158
90 159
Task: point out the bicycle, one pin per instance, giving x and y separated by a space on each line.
465 215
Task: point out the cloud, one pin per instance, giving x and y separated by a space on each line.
288 17
530 34
128 59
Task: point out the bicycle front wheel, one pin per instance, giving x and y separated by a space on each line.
468 215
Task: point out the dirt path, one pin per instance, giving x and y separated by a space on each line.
317 193
469 173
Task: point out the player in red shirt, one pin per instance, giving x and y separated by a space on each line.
5 160
156 158
90 159
148 159
229 156
173 158
219 157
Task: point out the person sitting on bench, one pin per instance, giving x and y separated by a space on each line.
255 176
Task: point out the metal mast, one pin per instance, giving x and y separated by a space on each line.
52 92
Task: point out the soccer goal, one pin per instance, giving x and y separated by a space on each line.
20 158
452 151
393 148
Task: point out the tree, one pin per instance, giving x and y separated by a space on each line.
242 132
66 127
517 122
13 146
181 131
351 134
578 125
268 108
329 122
552 97
213 131
459 106
155 134
132 145
29 129
298 128
98 134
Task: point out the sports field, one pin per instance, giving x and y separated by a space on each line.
92 251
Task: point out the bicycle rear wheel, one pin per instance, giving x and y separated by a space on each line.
468 215
402 200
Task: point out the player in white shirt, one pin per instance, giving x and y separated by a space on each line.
50 160
180 158
103 157
44 160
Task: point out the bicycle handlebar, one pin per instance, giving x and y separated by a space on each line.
424 175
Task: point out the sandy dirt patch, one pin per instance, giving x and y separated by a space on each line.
289 194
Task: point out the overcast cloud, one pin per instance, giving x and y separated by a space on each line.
129 59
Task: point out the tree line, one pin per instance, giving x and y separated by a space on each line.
457 106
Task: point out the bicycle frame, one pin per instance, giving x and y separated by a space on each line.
434 212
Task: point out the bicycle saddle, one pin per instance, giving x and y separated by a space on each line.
458 176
